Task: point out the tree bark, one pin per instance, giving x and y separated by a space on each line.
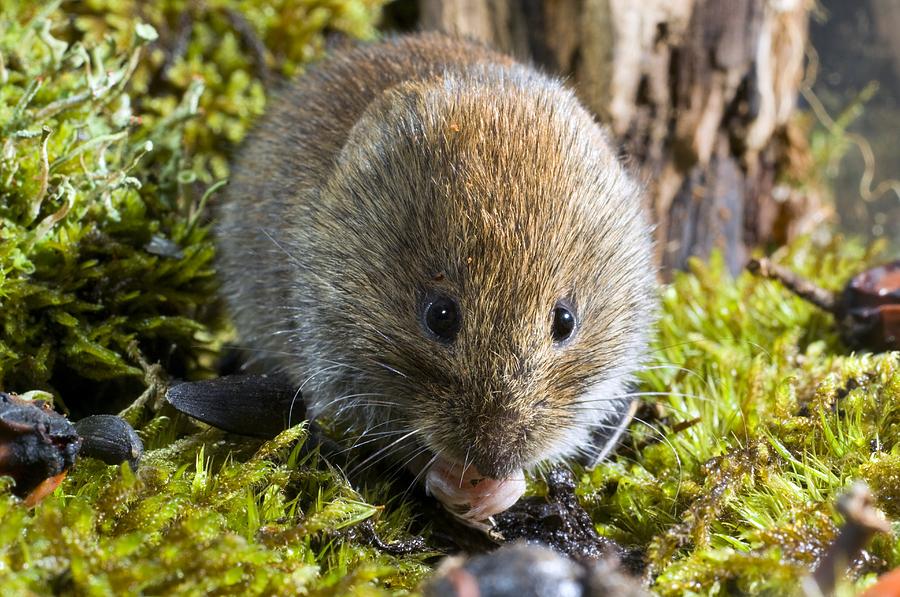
699 93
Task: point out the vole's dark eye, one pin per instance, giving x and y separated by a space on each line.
563 325
442 317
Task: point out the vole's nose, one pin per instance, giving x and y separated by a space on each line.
498 461
496 440
495 469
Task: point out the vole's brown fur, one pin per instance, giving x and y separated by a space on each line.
424 163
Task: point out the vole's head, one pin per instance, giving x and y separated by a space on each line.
490 274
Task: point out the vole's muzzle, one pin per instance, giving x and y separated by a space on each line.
498 461
499 441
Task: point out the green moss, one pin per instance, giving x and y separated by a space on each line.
196 523
115 119
763 419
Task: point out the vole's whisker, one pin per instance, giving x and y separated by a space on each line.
465 466
670 367
377 456
381 334
646 395
318 372
391 369
377 422
291 409
356 401
370 427
400 468
280 332
679 411
299 391
591 455
685 370
351 396
601 425
662 437
374 437
675 345
290 257
347 365
651 367
363 404
256 349
543 469
419 476
382 434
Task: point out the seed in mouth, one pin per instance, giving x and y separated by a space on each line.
470 495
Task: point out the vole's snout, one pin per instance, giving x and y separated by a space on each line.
498 463
498 441
504 447
481 460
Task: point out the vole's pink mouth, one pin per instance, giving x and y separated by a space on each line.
470 495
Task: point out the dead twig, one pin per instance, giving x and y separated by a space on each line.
861 521
805 289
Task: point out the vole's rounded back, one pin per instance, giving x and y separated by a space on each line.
439 245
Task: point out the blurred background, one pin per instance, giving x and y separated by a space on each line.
858 52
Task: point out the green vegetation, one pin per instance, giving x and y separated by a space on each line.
196 520
763 418
115 122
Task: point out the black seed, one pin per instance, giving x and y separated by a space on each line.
255 405
111 439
